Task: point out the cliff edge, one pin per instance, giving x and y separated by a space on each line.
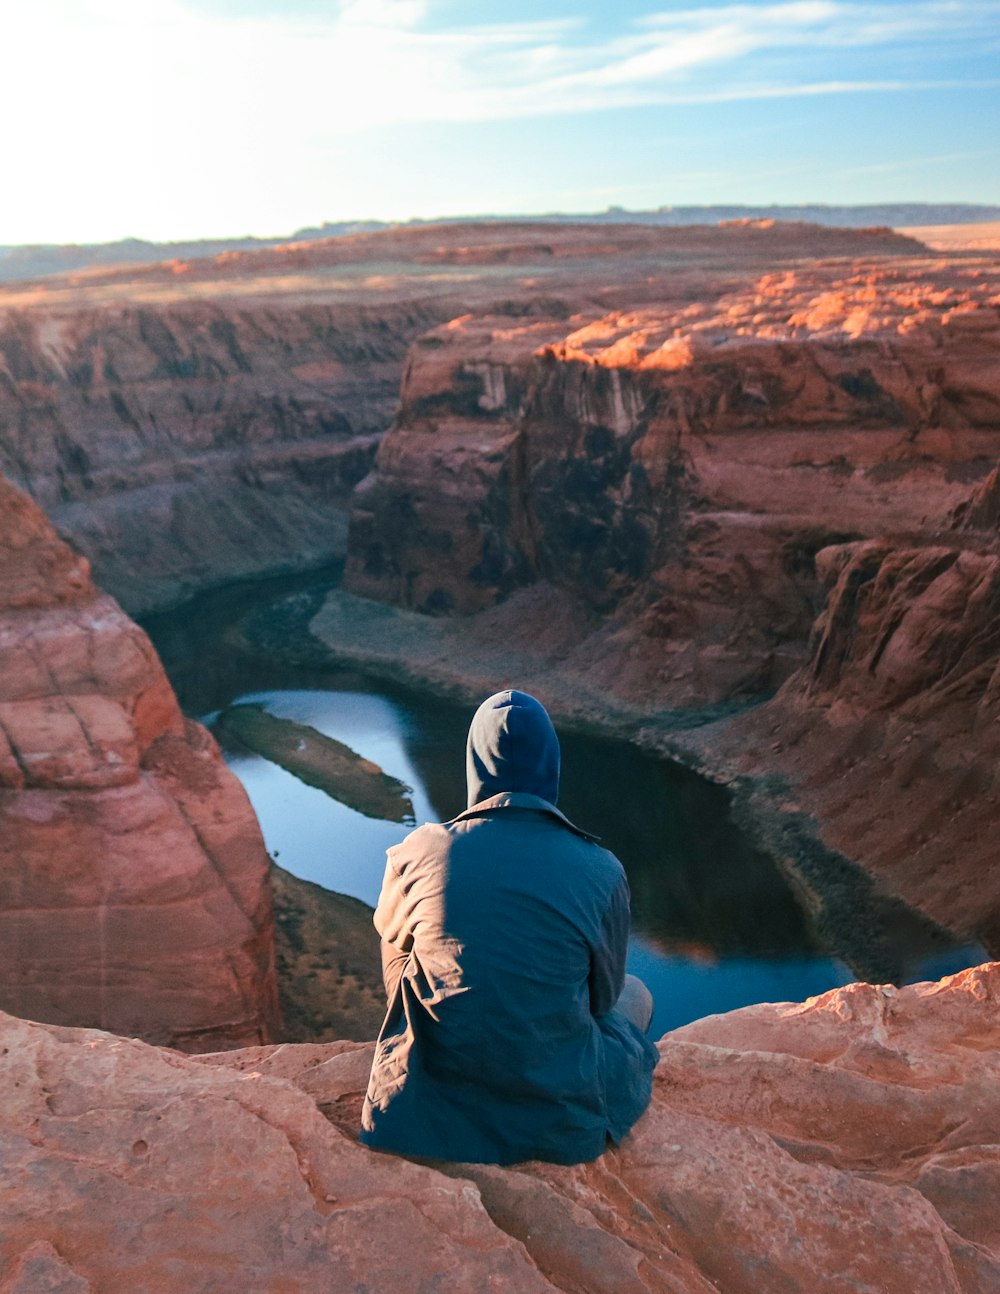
134 885
848 1143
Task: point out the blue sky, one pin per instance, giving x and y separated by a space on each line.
196 118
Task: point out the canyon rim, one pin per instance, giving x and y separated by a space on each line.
730 491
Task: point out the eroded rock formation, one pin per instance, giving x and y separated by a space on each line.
676 469
890 736
194 421
134 889
845 1143
619 461
646 511
182 443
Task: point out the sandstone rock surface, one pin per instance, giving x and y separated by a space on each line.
184 442
675 468
848 1143
890 736
134 888
191 422
785 482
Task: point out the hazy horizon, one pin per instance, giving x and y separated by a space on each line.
970 213
178 120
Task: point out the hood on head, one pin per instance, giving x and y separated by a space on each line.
512 747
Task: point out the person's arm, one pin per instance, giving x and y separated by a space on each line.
393 962
607 961
391 923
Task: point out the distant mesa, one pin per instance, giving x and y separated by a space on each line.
32 260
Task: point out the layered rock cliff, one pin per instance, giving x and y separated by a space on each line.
676 469
191 422
181 443
848 1143
646 512
889 736
134 886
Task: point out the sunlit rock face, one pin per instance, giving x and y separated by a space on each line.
134 888
188 422
676 467
849 1142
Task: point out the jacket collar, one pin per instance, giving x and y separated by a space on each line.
519 800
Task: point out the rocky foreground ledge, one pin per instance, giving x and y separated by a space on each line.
850 1143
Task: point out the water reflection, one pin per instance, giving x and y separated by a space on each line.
311 834
696 882
716 925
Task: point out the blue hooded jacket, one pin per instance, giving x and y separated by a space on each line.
504 935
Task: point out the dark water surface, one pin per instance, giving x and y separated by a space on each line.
715 924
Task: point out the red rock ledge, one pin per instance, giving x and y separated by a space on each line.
849 1143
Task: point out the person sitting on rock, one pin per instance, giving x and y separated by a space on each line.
512 1030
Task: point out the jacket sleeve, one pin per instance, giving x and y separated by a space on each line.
390 921
607 960
393 964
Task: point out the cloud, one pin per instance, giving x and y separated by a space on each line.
139 99
756 49
383 61
921 163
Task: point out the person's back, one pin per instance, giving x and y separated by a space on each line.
504 936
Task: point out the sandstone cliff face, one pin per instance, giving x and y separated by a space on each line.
890 737
790 484
189 422
848 1143
134 889
180 443
676 468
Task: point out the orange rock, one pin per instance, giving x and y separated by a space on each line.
180 443
889 735
676 465
848 1142
134 888
193 421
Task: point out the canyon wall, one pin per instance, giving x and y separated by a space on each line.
134 883
194 421
890 735
640 458
788 485
677 469
183 442
847 1143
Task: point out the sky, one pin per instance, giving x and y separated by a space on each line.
177 119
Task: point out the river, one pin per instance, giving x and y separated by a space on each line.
715 924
